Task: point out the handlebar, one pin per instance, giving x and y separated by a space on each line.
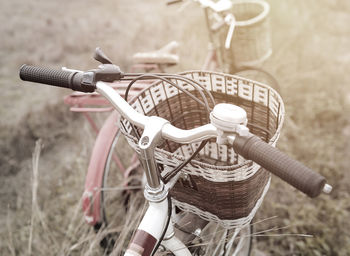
247 145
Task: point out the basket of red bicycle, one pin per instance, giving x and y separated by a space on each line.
223 186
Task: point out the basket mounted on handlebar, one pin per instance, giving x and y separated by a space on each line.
251 42
218 185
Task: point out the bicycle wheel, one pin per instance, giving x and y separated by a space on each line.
208 238
121 196
257 74
219 241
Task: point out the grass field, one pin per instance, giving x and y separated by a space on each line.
311 59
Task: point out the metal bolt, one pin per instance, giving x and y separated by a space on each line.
144 141
197 232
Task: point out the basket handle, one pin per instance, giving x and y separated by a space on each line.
230 19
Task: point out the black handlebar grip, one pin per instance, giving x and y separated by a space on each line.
280 164
59 78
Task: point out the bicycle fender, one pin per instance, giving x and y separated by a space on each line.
94 178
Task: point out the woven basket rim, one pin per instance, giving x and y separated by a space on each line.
256 19
184 73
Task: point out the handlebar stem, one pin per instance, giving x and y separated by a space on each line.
150 138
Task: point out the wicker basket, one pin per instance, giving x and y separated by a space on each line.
218 185
251 43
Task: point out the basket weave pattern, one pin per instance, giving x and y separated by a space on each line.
218 185
251 43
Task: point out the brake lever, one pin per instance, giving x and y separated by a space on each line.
100 56
106 72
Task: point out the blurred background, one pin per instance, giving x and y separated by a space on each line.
310 59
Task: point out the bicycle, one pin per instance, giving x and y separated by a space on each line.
101 161
239 41
175 169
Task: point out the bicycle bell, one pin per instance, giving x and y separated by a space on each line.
228 119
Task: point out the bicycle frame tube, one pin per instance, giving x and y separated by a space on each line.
173 244
211 40
210 62
150 231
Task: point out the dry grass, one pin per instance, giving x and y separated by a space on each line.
311 58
